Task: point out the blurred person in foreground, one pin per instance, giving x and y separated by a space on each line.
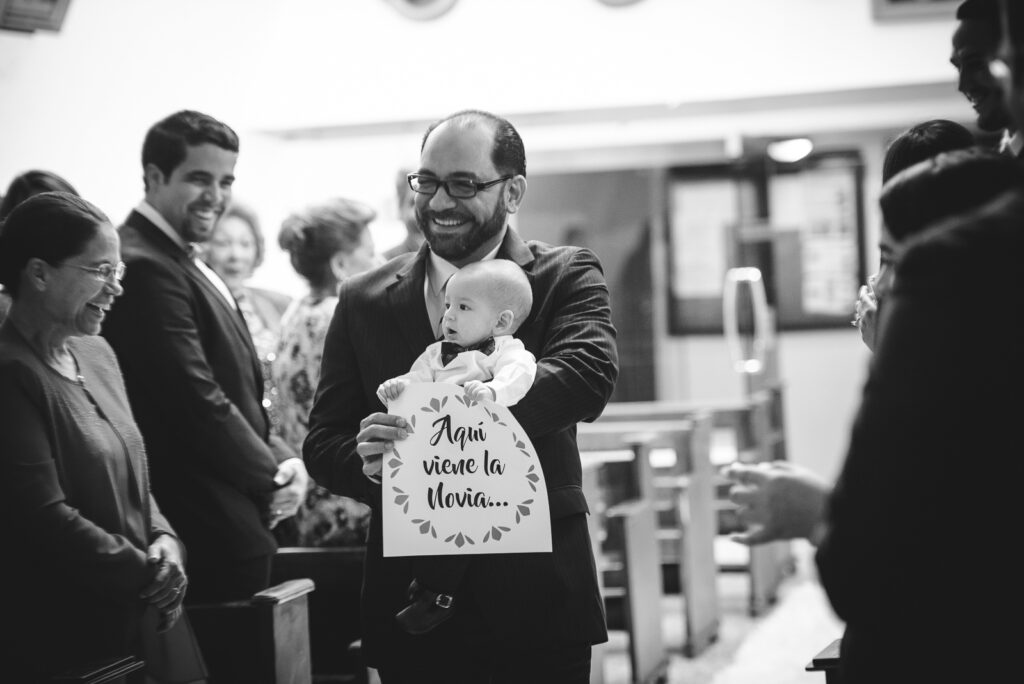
526 617
917 143
23 186
93 564
192 374
327 243
928 489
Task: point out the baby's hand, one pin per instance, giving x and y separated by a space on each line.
390 389
478 391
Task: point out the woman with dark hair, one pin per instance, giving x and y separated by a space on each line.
327 243
32 183
97 567
916 144
21 188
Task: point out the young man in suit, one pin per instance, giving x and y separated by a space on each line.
974 44
192 374
521 617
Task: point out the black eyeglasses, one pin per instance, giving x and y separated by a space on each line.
457 188
104 272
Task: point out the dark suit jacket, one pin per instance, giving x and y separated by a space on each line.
378 330
928 501
195 387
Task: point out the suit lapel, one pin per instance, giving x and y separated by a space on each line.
407 306
405 293
515 249
164 244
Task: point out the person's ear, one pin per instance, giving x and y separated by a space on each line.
515 190
152 175
339 265
504 324
36 274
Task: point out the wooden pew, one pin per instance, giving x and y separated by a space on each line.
827 661
333 608
689 486
623 525
758 427
264 640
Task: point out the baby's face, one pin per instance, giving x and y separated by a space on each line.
469 316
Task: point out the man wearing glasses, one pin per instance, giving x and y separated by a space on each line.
193 378
519 617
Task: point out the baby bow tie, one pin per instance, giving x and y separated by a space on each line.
449 350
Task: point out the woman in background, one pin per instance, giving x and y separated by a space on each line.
916 144
327 243
21 188
234 252
93 565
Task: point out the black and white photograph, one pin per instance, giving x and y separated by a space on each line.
510 342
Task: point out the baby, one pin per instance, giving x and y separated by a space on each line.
485 303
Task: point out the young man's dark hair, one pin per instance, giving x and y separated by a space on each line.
167 140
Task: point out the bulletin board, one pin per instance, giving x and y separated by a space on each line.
801 224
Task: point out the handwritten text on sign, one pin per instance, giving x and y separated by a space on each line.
466 481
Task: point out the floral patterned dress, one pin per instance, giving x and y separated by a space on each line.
325 519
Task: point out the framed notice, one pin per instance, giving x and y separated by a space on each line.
885 10
466 481
799 224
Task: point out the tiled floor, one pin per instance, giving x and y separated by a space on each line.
769 649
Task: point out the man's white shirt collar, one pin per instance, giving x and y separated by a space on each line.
1014 141
157 219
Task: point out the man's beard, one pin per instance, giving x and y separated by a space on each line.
456 247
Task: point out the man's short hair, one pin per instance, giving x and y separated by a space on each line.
982 10
504 284
168 140
508 154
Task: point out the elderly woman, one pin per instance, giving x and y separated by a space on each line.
234 252
93 567
327 243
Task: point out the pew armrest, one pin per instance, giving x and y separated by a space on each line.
827 661
285 591
264 640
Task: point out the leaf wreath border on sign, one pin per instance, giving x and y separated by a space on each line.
500 462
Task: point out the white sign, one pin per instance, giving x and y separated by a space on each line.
466 481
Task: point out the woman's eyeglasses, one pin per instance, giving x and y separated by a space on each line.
105 272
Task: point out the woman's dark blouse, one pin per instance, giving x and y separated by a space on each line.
75 508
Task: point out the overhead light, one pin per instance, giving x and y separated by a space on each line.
789 151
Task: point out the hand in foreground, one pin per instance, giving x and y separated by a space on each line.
777 500
378 433
292 482
390 389
867 313
478 391
166 588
